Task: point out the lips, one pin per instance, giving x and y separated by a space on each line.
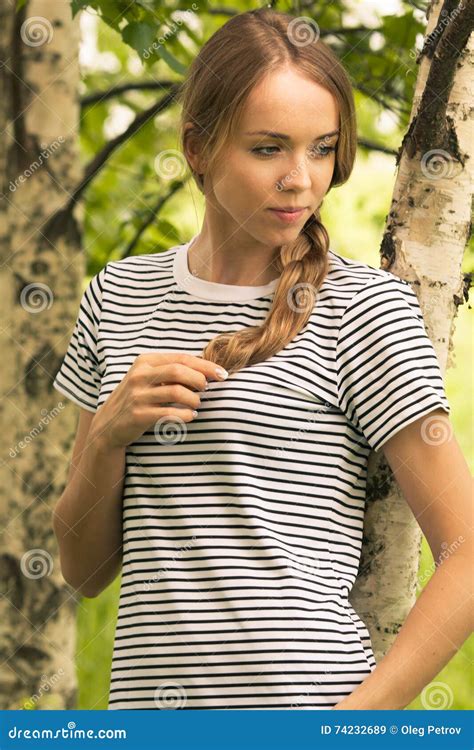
288 216
290 209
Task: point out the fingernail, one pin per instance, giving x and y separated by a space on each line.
195 413
221 373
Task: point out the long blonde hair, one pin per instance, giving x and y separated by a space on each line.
235 58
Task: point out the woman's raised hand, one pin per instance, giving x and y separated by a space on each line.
141 398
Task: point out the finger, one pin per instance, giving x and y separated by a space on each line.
180 375
209 369
173 414
174 394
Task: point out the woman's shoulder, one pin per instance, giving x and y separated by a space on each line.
139 275
347 277
161 260
342 268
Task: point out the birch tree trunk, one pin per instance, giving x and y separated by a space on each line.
426 233
41 276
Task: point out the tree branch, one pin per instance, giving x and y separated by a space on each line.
222 11
175 186
100 96
379 99
422 6
372 146
99 159
349 30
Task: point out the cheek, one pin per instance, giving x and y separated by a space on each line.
249 172
328 168
242 181
258 181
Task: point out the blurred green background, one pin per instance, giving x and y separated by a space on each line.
118 201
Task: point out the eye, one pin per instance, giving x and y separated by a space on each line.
316 151
262 149
322 150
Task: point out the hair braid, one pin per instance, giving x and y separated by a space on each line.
303 267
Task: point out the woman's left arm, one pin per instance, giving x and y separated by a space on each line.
435 480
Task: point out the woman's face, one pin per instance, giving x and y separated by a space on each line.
243 186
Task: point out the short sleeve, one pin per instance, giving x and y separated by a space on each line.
388 373
79 377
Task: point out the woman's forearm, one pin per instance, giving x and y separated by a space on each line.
87 520
435 629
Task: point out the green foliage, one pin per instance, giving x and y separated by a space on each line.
111 11
138 35
456 676
148 27
96 620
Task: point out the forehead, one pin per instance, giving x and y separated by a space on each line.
289 102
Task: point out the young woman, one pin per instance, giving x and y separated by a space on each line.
238 527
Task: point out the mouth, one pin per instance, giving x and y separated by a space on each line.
289 209
289 214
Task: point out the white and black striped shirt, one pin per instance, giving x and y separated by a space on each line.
242 529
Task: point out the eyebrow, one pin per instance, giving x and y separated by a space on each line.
282 136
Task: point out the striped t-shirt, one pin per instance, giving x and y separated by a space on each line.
242 529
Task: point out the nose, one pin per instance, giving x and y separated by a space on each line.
299 175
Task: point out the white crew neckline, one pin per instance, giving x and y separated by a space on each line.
212 290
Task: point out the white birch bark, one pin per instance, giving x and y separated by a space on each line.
424 241
41 276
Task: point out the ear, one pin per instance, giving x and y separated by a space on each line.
192 149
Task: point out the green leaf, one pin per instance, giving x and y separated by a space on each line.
77 5
139 36
172 61
111 11
147 5
20 4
